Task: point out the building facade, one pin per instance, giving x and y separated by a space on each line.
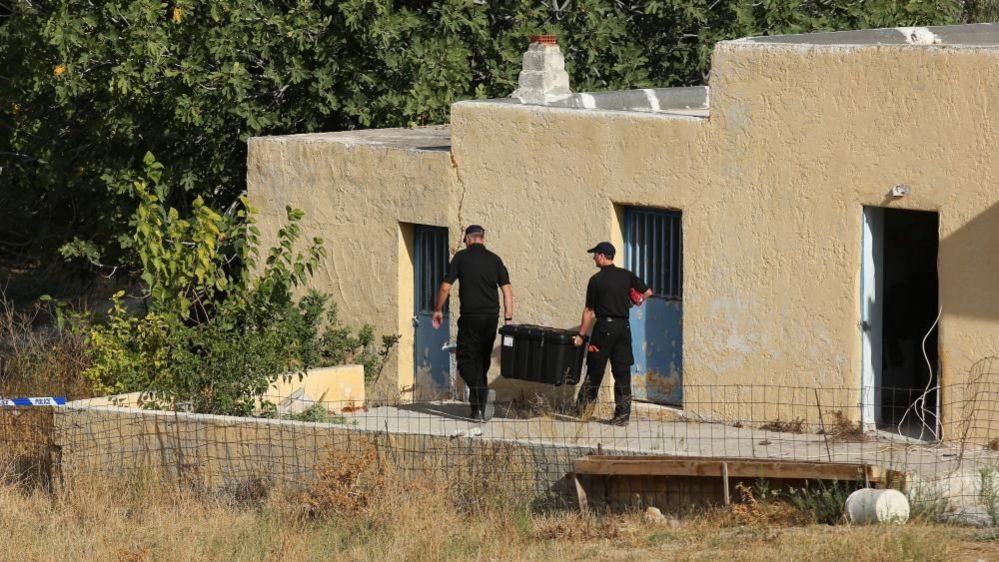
827 204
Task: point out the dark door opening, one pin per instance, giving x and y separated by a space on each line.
431 361
911 304
905 302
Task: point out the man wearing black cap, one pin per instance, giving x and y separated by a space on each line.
608 298
479 272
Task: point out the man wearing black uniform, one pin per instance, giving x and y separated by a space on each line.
608 298
479 272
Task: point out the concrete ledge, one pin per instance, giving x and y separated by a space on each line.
342 384
692 101
973 35
421 139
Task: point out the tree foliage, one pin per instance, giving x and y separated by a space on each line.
87 88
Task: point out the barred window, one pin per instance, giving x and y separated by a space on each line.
431 264
654 250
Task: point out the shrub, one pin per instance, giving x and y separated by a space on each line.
760 505
346 483
824 503
217 335
815 502
928 503
989 492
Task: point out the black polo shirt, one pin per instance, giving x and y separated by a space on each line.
479 272
608 293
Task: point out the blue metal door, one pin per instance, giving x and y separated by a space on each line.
653 243
432 361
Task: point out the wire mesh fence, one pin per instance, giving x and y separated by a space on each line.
944 449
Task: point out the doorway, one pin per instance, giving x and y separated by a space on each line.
653 250
899 314
431 361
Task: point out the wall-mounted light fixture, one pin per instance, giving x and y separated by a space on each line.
900 190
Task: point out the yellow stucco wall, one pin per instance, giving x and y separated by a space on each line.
334 386
771 187
359 199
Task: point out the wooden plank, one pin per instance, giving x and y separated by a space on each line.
792 470
737 468
711 459
647 468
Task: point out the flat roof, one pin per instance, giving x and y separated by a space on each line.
691 102
681 103
970 35
436 138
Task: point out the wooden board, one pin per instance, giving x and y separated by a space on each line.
736 468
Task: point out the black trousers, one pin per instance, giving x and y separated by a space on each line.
476 336
612 337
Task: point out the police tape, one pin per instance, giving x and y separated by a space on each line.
36 401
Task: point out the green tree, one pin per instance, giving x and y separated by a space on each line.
87 88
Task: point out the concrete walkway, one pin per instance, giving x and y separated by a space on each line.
681 437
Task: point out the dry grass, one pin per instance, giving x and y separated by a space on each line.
751 512
843 429
25 447
426 519
36 359
795 426
345 483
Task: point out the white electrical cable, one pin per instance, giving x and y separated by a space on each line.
930 387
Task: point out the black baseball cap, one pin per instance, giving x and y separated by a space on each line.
474 229
605 248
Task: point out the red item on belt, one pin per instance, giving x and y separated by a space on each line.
592 349
636 297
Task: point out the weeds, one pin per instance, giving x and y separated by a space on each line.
927 503
35 360
475 486
318 413
38 359
761 505
823 503
844 430
345 483
795 426
758 506
989 492
25 447
576 527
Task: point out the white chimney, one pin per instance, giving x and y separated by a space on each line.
543 78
